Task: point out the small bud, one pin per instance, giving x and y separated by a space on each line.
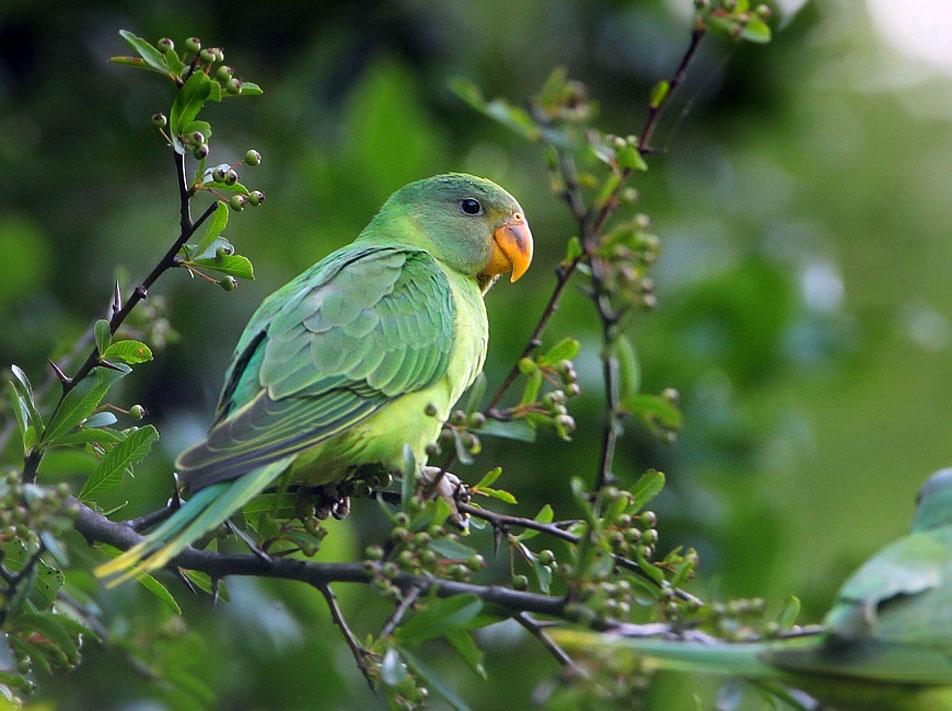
137 412
256 197
207 56
252 157
201 152
193 44
233 86
159 120
228 283
166 45
224 73
237 202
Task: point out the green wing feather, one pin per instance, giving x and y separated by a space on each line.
364 326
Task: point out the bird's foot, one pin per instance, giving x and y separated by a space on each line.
449 487
331 502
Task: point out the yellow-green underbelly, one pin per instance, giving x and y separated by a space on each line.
380 438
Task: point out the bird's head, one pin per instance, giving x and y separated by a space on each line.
470 224
934 502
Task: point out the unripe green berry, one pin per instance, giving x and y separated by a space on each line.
520 582
546 557
218 174
475 562
458 572
252 157
228 283
197 138
476 420
648 519
166 45
226 250
193 44
572 389
763 12
137 412
390 570
256 197
650 536
231 177
374 552
159 120
233 86
224 73
402 519
237 202
219 54
206 56
201 152
430 410
432 449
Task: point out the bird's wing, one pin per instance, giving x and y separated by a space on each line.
362 328
893 618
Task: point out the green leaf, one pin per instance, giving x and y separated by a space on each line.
20 411
249 88
648 486
86 435
573 249
238 266
99 420
629 370
188 102
214 226
659 93
147 581
520 430
543 575
545 515
499 494
434 681
630 158
103 333
119 460
566 349
465 646
150 55
47 625
790 612
438 617
654 410
128 351
80 402
489 478
23 387
137 63
451 550
502 111
756 30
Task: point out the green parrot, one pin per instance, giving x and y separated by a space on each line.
887 642
335 370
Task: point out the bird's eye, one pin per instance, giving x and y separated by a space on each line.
470 206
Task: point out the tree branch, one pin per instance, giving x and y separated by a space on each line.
535 629
338 616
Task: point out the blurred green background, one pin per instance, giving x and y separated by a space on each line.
804 283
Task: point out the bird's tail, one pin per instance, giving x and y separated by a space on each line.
735 659
204 511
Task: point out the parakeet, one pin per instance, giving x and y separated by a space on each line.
887 641
335 370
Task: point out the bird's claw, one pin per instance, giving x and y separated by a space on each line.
452 490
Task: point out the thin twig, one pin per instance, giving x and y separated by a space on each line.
534 628
406 603
505 520
337 615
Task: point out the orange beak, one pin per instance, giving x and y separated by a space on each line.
511 248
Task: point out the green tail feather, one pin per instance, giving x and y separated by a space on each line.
736 659
203 512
